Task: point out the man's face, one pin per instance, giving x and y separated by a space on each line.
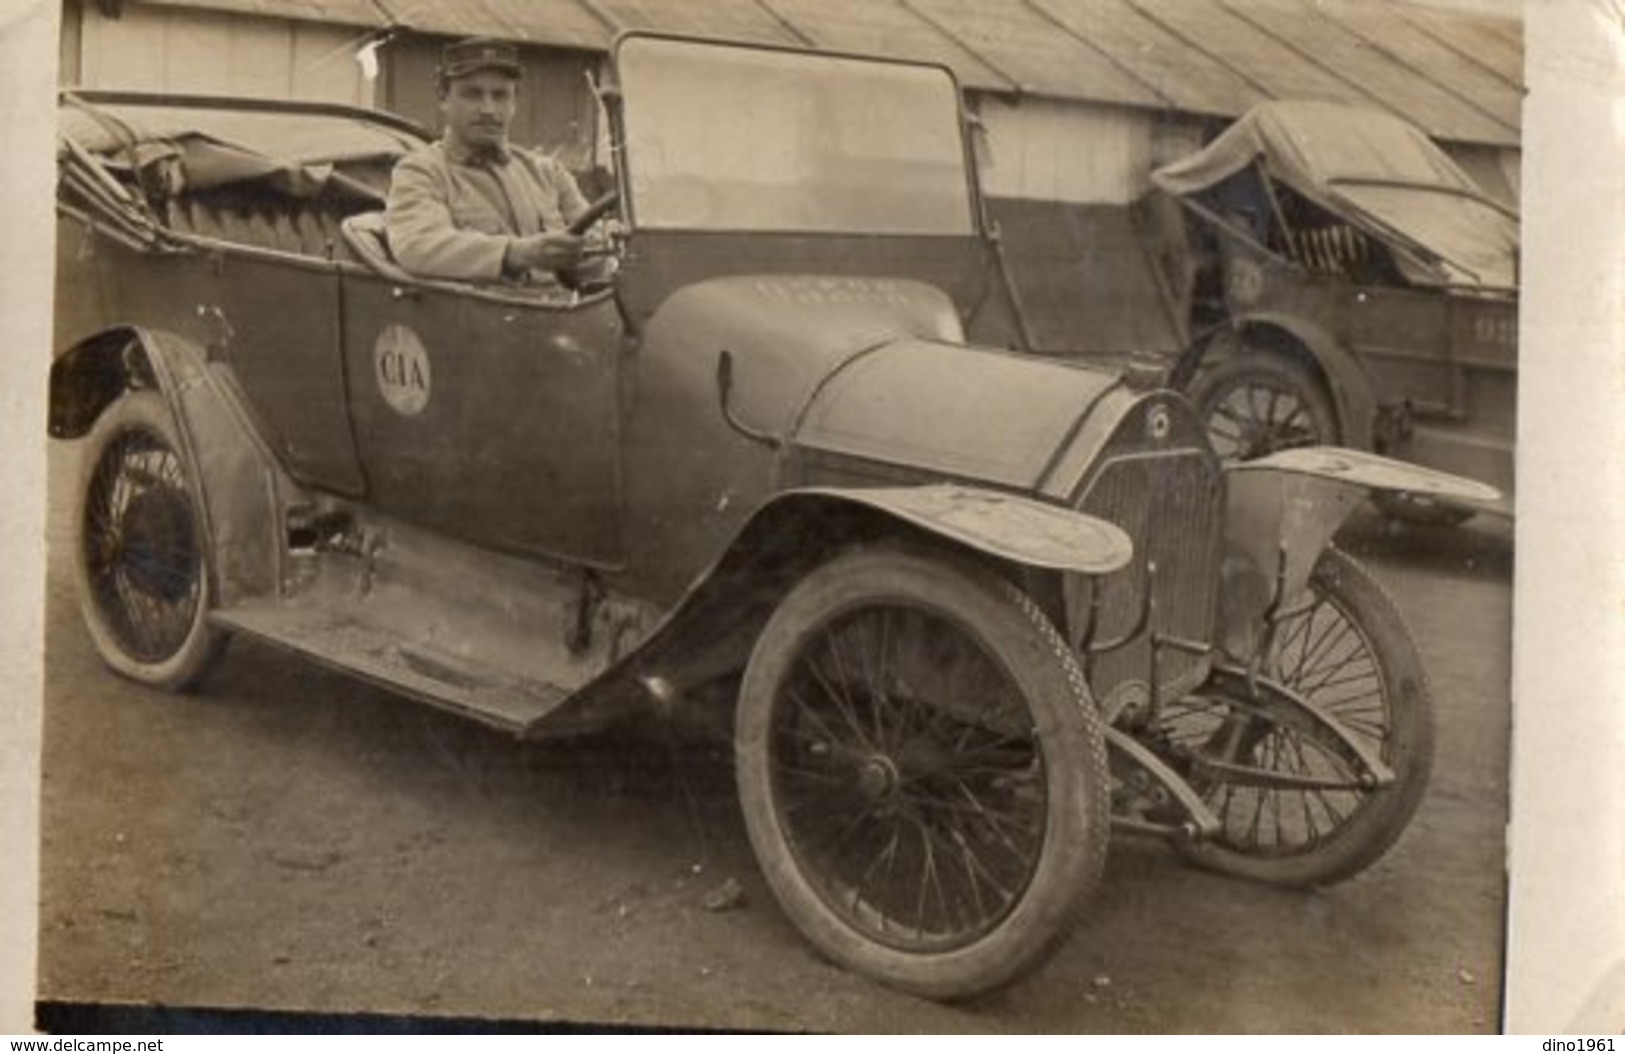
479 107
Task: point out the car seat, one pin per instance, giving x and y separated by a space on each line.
367 238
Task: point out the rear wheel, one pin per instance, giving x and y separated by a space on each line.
922 772
143 584
1350 655
1260 402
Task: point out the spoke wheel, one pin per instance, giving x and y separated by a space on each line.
144 589
922 772
1350 655
1260 402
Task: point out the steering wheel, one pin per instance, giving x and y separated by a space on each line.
598 276
595 212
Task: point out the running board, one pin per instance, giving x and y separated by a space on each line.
501 639
512 704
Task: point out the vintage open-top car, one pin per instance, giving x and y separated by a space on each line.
976 607
1354 286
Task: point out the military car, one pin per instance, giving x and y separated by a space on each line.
974 610
1353 285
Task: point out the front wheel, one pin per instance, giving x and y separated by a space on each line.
1349 654
1260 402
139 555
922 772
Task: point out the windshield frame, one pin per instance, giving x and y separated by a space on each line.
612 97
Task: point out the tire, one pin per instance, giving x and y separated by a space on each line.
897 706
1351 655
139 557
1259 402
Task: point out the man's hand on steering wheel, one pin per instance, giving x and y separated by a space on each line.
595 212
549 251
557 251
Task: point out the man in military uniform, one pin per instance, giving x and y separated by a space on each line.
471 206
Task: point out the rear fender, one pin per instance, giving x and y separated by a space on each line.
710 631
241 490
1347 381
1282 510
87 377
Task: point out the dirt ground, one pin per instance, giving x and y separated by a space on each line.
290 839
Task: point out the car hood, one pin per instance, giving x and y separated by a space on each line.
866 368
966 412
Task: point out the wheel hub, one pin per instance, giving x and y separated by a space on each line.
155 542
878 778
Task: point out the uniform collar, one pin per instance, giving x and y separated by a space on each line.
479 157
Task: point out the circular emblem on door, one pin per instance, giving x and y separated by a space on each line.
402 367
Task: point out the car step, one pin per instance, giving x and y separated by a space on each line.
345 641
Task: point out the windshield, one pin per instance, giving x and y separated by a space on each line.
750 139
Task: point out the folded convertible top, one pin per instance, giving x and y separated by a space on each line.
186 145
1372 170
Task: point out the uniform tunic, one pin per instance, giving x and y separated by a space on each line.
452 214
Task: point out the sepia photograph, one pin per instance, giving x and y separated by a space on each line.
781 515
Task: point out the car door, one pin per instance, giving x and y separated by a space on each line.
489 415
1405 339
273 317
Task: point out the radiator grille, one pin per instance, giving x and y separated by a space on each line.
1169 503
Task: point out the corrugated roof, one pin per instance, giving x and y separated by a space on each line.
1466 81
728 19
1455 73
1352 59
885 29
1188 77
1256 56
342 12
562 23
1034 51
1479 40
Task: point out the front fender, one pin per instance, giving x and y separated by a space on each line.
710 631
1282 510
1005 526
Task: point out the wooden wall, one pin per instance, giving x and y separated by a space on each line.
205 52
1043 150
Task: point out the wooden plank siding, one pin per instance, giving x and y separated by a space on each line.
155 48
1039 149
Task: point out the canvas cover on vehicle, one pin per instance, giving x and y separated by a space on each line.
184 148
1374 171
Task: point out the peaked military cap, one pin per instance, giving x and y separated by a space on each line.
463 57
